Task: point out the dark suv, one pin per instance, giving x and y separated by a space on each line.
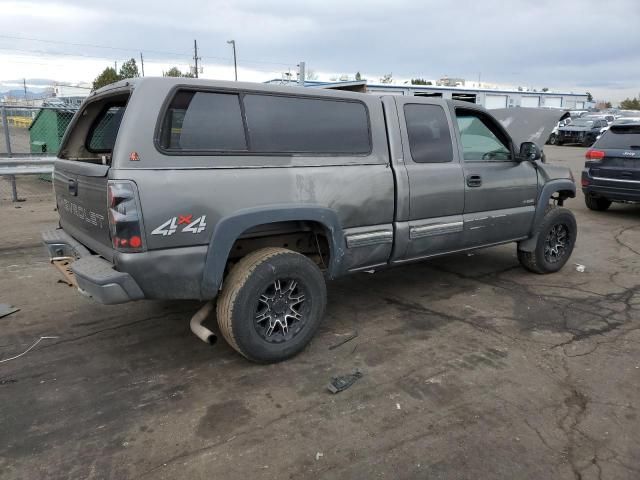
612 169
582 130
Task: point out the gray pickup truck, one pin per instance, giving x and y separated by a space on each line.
255 194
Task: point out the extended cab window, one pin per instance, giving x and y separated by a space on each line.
481 139
279 124
203 121
429 136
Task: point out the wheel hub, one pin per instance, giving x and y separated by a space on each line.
556 243
278 315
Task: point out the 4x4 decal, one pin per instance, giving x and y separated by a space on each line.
172 225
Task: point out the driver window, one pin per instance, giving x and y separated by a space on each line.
481 141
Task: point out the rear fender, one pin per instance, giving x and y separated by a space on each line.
229 229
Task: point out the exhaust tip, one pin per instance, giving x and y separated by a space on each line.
200 331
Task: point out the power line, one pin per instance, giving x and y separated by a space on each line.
93 45
146 51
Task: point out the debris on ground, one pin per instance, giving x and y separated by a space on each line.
338 384
319 455
27 350
350 337
580 268
398 406
6 309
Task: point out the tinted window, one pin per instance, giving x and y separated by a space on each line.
480 139
305 125
620 136
102 136
429 136
203 121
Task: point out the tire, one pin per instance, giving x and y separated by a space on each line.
553 139
542 260
588 141
599 204
277 285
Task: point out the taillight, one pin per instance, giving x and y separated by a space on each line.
124 217
584 182
594 155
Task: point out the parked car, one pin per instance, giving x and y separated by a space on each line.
553 137
255 194
581 130
612 170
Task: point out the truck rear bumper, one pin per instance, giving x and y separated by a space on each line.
95 276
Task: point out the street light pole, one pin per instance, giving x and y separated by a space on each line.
235 64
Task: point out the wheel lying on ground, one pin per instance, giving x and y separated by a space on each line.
596 203
271 304
557 234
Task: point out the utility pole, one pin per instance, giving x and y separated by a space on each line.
24 84
142 63
196 57
235 63
301 73
115 66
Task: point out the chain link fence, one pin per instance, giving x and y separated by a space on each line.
30 131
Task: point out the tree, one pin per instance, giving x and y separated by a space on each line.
108 76
175 72
358 76
545 89
589 97
418 81
630 104
129 69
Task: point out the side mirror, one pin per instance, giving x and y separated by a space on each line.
530 151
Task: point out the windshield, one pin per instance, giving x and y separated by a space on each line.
622 121
582 122
620 136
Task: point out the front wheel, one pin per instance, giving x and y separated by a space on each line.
557 234
553 139
271 304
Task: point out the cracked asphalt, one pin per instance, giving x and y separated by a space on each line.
473 369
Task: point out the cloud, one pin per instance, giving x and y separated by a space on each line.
563 45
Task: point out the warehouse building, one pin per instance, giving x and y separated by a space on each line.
488 98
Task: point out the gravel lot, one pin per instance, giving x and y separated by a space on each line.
473 369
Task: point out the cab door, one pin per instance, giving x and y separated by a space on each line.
500 191
433 223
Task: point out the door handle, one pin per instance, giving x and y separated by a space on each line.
474 180
73 187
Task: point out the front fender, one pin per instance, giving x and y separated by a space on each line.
548 189
229 229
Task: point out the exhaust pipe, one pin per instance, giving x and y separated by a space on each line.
203 333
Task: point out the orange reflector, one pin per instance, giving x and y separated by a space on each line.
134 157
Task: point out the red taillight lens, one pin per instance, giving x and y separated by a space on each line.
594 155
124 217
584 182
